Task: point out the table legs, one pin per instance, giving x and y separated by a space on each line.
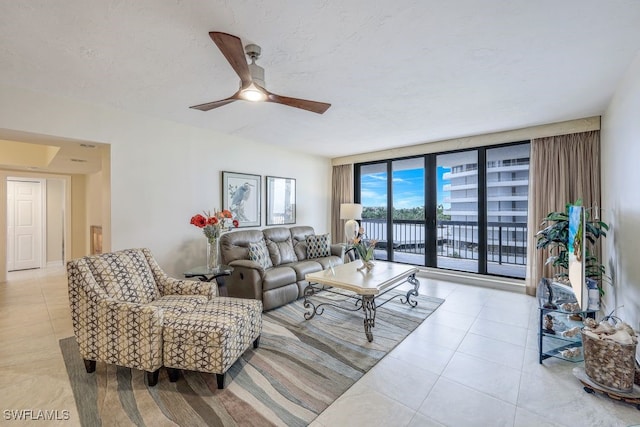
412 292
366 303
309 291
369 309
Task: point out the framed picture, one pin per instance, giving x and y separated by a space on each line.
281 200
241 195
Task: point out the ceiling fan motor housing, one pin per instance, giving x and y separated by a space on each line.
257 74
253 51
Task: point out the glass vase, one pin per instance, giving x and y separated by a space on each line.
366 265
212 254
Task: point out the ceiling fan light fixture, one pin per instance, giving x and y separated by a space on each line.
253 93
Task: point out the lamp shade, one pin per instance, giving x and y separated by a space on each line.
350 211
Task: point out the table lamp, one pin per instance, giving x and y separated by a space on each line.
351 212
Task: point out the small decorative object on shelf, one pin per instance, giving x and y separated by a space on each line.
570 307
571 352
547 284
553 293
548 324
571 332
213 226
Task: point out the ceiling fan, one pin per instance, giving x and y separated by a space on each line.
252 86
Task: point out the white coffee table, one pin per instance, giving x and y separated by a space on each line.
365 287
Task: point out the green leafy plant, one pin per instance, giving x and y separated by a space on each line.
365 250
555 237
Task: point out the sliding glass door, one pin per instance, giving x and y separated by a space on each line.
507 201
408 215
458 237
373 195
464 210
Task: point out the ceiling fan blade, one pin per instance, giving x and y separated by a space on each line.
215 104
231 48
313 106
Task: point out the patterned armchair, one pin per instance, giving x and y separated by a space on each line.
120 302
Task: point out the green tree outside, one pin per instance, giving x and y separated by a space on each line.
415 213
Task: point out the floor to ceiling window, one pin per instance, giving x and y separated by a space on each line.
507 186
408 210
458 240
372 194
464 210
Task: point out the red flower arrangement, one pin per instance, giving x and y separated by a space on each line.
214 225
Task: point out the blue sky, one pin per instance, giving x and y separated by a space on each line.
408 188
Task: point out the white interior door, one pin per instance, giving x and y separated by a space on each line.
24 225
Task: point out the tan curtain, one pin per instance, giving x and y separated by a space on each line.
341 192
562 169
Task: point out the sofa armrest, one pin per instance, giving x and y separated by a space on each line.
146 314
337 249
247 263
171 286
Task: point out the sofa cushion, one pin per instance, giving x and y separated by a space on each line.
174 305
274 298
328 261
318 246
125 276
259 253
302 268
280 245
278 276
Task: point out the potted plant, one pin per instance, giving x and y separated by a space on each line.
555 237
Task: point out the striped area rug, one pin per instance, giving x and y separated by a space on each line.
300 368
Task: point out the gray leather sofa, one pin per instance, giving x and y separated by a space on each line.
284 280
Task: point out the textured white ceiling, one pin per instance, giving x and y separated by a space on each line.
396 73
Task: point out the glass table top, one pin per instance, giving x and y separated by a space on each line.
204 271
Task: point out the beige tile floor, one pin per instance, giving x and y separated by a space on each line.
474 362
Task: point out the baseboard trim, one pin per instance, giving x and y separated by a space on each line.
493 282
52 264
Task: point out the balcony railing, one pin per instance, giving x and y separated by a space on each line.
456 240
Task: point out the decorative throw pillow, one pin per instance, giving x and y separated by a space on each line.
259 253
318 246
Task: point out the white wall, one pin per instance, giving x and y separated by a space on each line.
162 172
620 139
94 198
55 221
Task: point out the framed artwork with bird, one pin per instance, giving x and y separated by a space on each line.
241 195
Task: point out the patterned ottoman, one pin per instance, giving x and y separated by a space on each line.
211 337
